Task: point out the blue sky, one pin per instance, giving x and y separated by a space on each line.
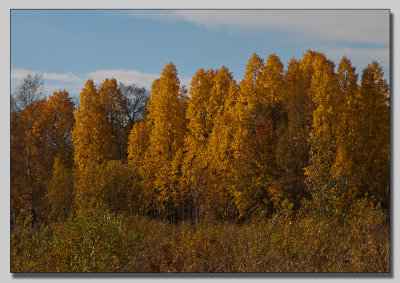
70 46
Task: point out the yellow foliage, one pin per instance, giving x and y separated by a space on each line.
166 115
92 134
60 194
258 114
372 135
325 95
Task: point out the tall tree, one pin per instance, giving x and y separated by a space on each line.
29 90
293 146
109 183
219 152
26 186
117 117
257 168
272 80
55 126
248 96
166 113
372 140
28 163
91 135
134 102
138 144
60 192
326 98
40 129
345 134
199 128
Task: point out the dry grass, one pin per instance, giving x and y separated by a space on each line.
98 242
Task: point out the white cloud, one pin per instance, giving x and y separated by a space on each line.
75 82
52 81
124 76
363 26
19 73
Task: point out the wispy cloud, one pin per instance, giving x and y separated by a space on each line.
362 26
361 35
75 82
124 76
20 72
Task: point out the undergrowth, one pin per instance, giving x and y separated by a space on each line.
303 241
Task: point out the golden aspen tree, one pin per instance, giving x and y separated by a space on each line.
269 127
344 165
37 163
44 130
223 95
220 94
60 192
220 151
141 158
112 101
109 183
92 140
56 124
258 189
248 96
248 99
166 113
293 146
272 81
326 97
257 170
138 144
200 124
26 107
17 166
117 186
372 138
29 166
199 127
91 135
53 128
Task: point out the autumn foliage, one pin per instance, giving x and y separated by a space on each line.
296 160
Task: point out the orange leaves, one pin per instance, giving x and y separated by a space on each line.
350 131
325 95
39 131
227 149
58 120
251 144
165 125
60 193
373 134
167 114
92 133
258 114
272 81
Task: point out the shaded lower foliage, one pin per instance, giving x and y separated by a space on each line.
94 240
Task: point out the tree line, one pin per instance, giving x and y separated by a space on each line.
225 149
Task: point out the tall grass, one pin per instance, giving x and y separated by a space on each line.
302 241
